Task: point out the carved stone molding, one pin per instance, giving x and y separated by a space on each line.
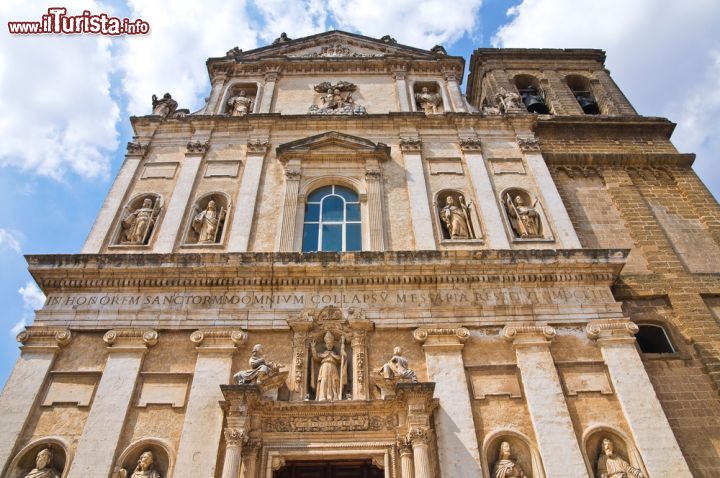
621 331
528 334
293 174
419 436
130 338
404 446
373 175
430 334
134 148
471 144
257 146
529 145
411 145
218 339
584 171
36 338
197 147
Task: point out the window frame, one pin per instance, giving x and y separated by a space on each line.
344 222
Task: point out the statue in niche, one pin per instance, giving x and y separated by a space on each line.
240 104
508 101
138 225
332 373
336 99
524 219
397 369
144 467
505 466
612 465
207 224
260 369
457 218
427 101
43 466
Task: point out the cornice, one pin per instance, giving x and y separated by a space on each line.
64 272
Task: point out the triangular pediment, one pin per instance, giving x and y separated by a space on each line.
333 142
337 44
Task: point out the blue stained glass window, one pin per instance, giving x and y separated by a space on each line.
332 220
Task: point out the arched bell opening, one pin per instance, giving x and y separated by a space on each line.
582 91
532 95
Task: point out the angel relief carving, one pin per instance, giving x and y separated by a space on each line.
336 99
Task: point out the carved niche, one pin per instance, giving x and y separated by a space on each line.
428 98
329 355
207 220
455 215
138 220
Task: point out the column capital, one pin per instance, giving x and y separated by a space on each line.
528 335
136 149
404 446
119 340
419 436
197 148
529 144
411 145
471 145
43 339
257 147
450 339
235 437
218 340
612 331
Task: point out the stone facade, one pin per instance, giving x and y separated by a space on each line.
470 310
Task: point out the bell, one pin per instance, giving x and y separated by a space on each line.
535 104
588 105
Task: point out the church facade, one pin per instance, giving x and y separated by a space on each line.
341 266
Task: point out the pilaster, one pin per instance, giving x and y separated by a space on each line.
203 425
374 187
545 400
244 213
644 414
457 440
218 82
39 348
96 448
268 92
417 190
402 89
453 85
289 212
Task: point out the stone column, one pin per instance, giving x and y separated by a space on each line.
96 449
489 207
375 221
457 440
113 202
551 420
244 212
268 91
406 459
417 190
455 93
234 439
552 202
644 414
37 354
212 107
289 211
200 438
402 90
361 374
420 437
249 463
172 221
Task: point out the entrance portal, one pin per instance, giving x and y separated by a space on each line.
329 469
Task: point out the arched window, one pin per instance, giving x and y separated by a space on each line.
332 220
653 339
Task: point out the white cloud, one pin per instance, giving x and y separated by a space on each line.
297 19
171 58
420 24
57 112
9 240
663 56
33 299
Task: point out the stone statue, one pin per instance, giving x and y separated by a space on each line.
332 373
43 466
505 466
508 101
240 105
457 219
207 224
428 102
612 465
283 38
336 99
144 468
397 368
138 224
164 107
260 369
524 220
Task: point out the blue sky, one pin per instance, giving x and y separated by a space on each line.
65 100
